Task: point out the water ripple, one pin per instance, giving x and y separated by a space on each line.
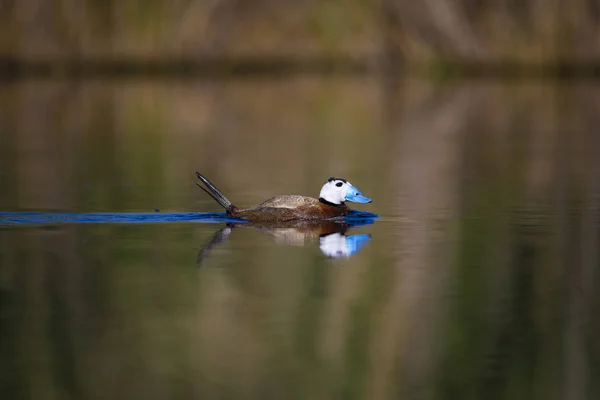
43 218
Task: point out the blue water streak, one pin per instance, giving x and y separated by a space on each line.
43 218
40 218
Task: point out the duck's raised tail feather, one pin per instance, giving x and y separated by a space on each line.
215 193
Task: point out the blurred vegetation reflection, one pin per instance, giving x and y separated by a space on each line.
229 37
480 280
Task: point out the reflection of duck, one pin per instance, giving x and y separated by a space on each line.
337 245
331 235
330 204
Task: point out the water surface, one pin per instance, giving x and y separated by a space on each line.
479 279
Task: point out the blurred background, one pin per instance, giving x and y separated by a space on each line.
225 37
473 124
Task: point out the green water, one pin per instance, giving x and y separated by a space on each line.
480 279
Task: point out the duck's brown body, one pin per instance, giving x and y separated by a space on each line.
290 208
280 208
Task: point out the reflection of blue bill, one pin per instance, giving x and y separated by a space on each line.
338 245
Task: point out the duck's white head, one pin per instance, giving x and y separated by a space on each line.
338 190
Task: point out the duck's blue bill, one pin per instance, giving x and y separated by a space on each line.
354 195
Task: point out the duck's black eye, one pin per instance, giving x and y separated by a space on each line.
339 184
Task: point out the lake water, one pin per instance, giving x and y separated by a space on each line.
478 280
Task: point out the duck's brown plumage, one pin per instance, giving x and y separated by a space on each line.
279 208
290 208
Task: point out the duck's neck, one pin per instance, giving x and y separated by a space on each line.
322 200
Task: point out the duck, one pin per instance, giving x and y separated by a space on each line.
330 204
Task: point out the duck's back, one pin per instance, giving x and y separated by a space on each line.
289 201
291 207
